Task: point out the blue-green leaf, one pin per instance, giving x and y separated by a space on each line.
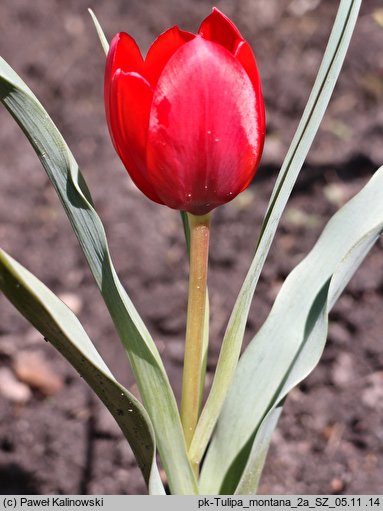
62 329
144 358
304 136
290 342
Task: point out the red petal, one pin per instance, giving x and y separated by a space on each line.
123 54
204 143
220 29
131 97
161 50
245 56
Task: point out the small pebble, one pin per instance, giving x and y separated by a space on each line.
12 389
33 369
373 394
343 371
336 485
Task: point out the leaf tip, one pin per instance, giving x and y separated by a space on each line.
100 32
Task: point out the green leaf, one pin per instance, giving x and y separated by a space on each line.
185 225
308 353
308 126
100 32
290 343
62 329
144 358
252 474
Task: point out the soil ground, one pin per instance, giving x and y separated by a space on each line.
55 436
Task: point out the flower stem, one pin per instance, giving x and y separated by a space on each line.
191 383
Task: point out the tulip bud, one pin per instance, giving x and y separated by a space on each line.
188 122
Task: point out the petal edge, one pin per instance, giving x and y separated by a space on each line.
218 28
129 118
162 49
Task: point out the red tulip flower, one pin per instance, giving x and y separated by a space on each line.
188 121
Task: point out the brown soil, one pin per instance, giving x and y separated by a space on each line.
57 438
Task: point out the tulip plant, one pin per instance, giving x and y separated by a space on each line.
188 123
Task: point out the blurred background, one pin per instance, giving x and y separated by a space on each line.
55 437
